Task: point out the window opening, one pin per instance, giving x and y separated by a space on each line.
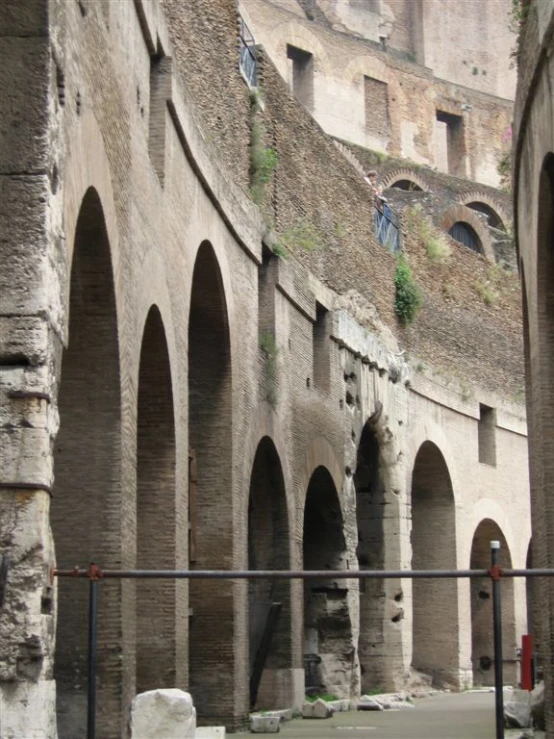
450 150
301 68
486 435
466 235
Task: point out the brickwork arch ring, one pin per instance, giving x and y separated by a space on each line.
463 214
294 33
476 196
399 175
368 66
319 454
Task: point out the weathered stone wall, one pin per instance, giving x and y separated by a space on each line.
134 290
416 93
466 43
533 198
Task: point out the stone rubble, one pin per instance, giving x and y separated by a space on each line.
163 714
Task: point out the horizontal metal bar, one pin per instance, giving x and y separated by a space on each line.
98 573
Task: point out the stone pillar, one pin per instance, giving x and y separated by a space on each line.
28 347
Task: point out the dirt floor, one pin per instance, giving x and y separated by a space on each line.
445 716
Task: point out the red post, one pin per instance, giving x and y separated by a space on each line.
526 662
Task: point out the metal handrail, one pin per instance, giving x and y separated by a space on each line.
95 574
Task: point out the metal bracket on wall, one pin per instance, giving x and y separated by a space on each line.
4 566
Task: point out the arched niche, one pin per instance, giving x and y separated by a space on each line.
87 508
482 636
211 633
435 624
328 644
370 507
269 600
156 514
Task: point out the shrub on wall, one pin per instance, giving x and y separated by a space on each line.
408 298
435 242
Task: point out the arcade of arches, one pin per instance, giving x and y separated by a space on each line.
336 640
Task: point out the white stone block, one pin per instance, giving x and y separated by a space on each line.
317 709
16 720
265 724
210 732
517 710
163 714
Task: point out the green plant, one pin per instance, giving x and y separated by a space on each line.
448 289
263 159
303 235
504 169
322 696
280 250
436 246
271 354
486 291
408 297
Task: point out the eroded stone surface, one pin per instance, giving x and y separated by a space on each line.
163 714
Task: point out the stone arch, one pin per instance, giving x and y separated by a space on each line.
87 166
483 203
435 602
319 454
86 512
427 430
295 33
405 175
368 66
482 645
370 504
269 601
329 651
210 425
156 511
463 214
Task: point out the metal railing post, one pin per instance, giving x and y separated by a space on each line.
92 651
496 575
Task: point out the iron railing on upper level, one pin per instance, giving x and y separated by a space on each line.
387 226
248 61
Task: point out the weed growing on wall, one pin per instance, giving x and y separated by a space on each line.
271 354
303 235
408 298
486 292
435 242
263 159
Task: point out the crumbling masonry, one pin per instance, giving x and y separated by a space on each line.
175 393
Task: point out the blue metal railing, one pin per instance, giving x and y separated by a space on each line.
387 227
248 61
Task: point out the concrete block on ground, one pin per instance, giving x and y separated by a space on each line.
392 701
260 724
210 732
317 709
367 703
537 706
343 704
163 714
517 710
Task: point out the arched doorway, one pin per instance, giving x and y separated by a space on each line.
435 602
329 653
370 504
156 512
211 634
87 505
269 600
482 637
465 234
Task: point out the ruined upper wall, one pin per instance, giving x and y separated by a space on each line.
468 43
381 99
